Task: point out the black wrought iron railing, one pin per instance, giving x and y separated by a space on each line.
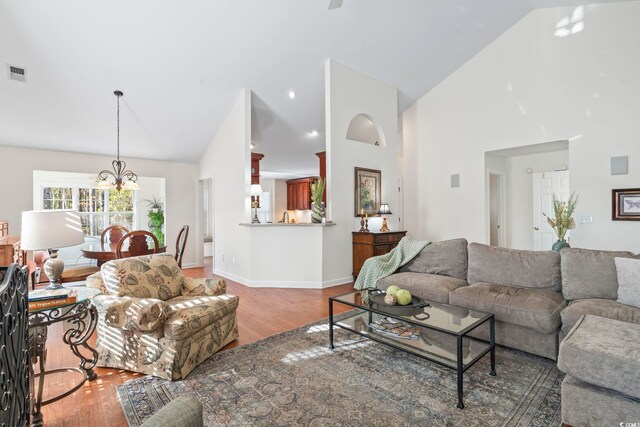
14 350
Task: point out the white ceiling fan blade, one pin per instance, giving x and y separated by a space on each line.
335 4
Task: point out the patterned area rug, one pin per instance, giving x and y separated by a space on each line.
293 379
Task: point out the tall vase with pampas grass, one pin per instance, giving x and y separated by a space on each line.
317 208
563 220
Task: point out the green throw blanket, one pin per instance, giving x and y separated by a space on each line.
385 265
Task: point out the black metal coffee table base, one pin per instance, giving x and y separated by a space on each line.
358 324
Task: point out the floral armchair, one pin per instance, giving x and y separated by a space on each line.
154 320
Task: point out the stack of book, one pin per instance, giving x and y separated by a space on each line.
44 298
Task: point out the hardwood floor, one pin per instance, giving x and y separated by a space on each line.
262 312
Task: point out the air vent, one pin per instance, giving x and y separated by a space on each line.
17 73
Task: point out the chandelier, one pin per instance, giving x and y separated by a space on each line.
120 173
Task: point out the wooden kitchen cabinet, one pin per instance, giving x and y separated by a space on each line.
299 193
370 244
255 167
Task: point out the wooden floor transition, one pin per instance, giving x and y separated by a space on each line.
262 312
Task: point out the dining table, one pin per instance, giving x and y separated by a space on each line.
103 252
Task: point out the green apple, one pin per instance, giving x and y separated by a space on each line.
403 297
391 290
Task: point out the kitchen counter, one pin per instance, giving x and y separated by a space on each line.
287 224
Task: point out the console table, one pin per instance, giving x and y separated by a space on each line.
10 251
372 243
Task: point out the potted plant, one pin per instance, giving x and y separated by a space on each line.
563 220
156 218
317 208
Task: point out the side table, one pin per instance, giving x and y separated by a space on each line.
80 319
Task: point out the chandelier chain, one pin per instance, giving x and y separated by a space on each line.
118 125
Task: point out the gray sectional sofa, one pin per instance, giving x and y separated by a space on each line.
601 358
539 298
590 285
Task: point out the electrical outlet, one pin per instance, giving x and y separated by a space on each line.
233 260
222 257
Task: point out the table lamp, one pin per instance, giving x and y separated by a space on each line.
384 211
51 230
256 191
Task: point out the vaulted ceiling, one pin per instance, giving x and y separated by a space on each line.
181 65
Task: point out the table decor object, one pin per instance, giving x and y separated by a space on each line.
563 220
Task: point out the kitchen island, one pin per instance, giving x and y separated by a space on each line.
290 255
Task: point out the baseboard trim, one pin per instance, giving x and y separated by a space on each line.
191 265
282 284
337 282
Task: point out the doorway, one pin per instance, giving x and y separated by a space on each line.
497 209
546 185
207 237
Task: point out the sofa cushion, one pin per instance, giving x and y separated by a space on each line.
628 273
537 309
431 287
589 274
446 258
598 307
513 267
603 352
149 276
191 314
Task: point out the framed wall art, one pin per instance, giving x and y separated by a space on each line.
368 190
625 204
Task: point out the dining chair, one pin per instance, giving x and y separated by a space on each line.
181 243
115 233
138 244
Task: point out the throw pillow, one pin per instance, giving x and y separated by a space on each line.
628 270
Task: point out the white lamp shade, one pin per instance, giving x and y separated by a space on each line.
256 190
131 185
50 229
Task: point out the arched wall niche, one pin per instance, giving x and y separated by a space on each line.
363 128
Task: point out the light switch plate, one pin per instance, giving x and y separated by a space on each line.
455 181
586 219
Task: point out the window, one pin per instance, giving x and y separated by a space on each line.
57 198
98 208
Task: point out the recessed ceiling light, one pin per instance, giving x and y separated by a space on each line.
292 94
313 133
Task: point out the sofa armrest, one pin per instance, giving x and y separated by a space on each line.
96 281
203 287
133 314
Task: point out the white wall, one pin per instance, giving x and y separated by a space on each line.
227 162
527 87
349 93
16 176
520 194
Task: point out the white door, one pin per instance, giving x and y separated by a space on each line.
545 185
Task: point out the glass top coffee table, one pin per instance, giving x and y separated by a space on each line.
443 330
